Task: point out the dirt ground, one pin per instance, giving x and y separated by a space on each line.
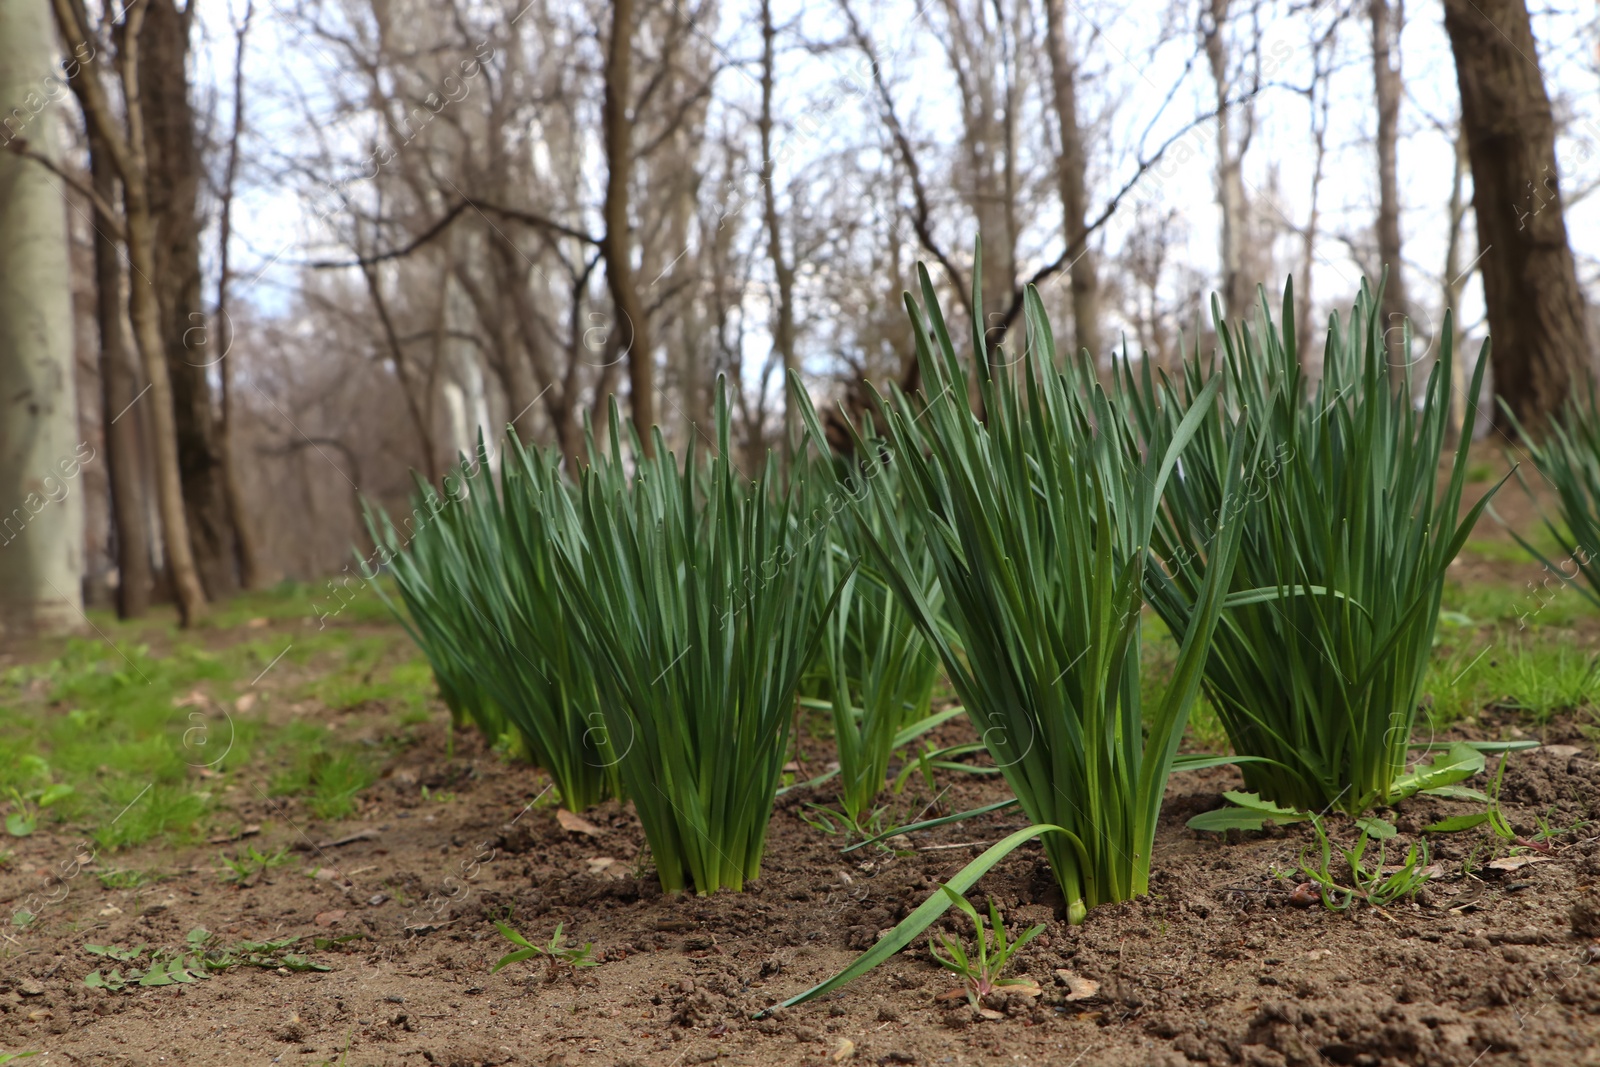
1214 966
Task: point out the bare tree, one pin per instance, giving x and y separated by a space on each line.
1235 128
120 422
1537 316
173 166
618 130
1071 178
783 338
249 554
126 150
1387 22
41 526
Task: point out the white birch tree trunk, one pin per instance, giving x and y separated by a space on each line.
41 454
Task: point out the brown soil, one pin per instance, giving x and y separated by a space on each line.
1214 966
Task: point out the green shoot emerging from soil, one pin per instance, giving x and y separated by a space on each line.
984 972
555 949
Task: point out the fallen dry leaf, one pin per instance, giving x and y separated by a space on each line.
607 866
1515 863
110 910
330 918
576 824
258 622
1077 988
245 703
846 1049
195 698
958 993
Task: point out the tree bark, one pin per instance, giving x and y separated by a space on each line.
1071 170
248 553
174 183
782 269
1455 280
1537 317
618 124
144 310
119 422
41 500
1386 26
1238 288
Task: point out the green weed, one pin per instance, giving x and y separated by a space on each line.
983 972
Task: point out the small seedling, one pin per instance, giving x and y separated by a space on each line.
250 865
25 808
983 973
575 955
1370 884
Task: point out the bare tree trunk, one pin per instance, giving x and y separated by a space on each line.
1455 280
144 310
248 553
1238 289
119 425
618 125
1536 310
1386 25
173 166
782 270
1071 170
41 500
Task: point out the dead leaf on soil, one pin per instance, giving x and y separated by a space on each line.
990 1014
1078 988
195 698
258 622
576 824
607 866
245 703
330 918
958 993
1515 863
846 1049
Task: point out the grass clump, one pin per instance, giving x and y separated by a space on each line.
1568 457
699 604
474 568
1038 520
1342 520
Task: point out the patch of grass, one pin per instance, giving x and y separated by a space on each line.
172 812
126 743
1496 551
120 878
1539 677
327 781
